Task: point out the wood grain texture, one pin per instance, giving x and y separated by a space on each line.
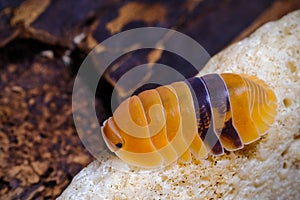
277 10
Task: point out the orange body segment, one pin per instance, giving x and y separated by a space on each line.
262 104
189 121
156 119
238 95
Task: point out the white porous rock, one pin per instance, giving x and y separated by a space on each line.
266 169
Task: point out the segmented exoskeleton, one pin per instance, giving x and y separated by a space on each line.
198 116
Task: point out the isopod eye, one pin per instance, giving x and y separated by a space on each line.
119 145
111 136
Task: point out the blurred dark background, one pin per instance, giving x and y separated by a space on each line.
43 43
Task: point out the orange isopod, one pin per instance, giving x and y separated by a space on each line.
198 116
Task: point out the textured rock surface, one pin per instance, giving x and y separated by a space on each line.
266 169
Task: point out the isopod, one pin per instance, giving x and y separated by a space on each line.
198 116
